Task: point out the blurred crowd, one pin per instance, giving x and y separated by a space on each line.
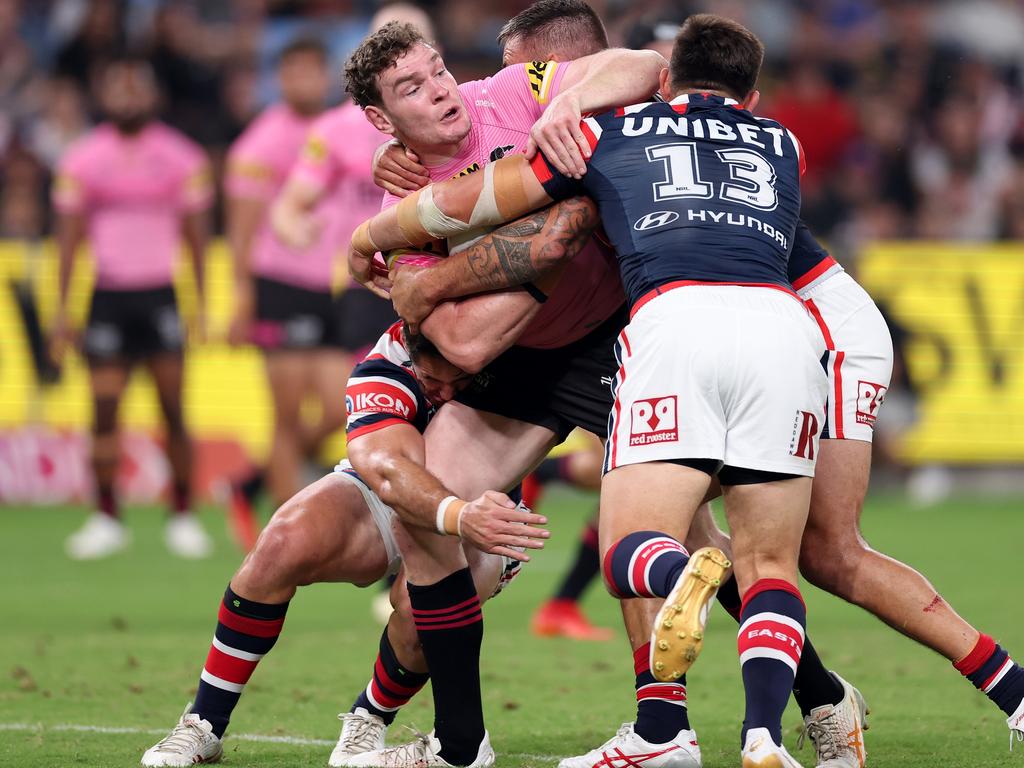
910 111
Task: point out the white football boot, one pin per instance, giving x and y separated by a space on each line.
1016 723
361 734
626 748
837 732
100 537
422 752
759 751
191 742
678 633
186 538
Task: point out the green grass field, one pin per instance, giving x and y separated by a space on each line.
100 658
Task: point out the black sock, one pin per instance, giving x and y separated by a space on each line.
451 629
252 485
584 568
814 686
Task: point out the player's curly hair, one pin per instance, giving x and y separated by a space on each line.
376 53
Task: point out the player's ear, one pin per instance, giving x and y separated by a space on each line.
553 57
663 85
753 99
379 120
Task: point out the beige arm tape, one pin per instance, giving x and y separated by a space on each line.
409 218
502 198
361 240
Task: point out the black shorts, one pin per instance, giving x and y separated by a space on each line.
555 388
128 325
362 318
291 317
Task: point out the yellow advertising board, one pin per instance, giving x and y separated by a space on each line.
962 309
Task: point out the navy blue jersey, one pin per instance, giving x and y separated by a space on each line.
697 189
808 260
383 390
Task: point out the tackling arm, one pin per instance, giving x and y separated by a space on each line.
503 191
529 250
390 461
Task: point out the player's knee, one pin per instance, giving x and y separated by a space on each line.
283 555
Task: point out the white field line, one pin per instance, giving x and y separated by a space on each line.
255 737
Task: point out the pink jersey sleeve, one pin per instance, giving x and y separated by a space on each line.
526 87
70 192
197 180
250 168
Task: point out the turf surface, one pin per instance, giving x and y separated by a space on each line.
119 644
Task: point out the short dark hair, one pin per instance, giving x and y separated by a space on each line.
300 45
716 53
418 345
570 27
376 53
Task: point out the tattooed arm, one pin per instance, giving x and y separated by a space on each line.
531 252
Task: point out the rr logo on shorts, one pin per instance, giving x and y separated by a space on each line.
869 399
805 430
653 421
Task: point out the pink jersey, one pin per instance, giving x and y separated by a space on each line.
133 191
258 166
337 162
502 109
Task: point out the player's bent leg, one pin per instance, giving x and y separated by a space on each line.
103 533
325 533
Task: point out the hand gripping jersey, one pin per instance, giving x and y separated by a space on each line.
696 190
502 110
383 390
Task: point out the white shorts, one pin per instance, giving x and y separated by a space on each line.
382 515
859 355
728 373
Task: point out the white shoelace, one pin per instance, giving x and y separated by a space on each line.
416 753
186 736
826 735
1019 737
360 732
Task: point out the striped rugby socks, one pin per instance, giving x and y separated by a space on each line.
995 674
660 707
770 641
246 631
391 686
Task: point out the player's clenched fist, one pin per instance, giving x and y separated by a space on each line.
494 523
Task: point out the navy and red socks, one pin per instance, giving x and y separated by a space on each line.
450 627
644 564
995 674
770 641
660 707
814 686
246 631
391 686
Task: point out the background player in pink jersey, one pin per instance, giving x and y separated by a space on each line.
134 188
284 300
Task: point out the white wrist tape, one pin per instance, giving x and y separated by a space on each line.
442 510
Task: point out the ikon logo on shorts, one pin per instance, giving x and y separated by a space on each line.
869 399
653 421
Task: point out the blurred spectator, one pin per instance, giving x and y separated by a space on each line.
62 120
100 38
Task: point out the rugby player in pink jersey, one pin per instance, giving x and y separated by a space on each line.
858 347
135 189
551 381
284 300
